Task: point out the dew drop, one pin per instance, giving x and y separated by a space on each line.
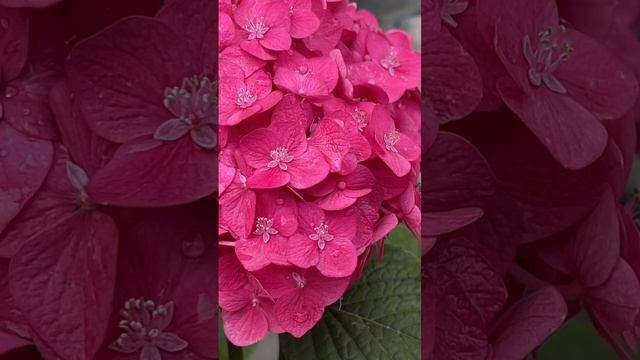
342 185
300 316
10 92
4 23
26 111
193 248
3 152
279 201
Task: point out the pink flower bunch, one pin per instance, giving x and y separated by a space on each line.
531 110
107 176
319 147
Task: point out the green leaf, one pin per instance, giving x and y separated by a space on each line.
577 340
378 318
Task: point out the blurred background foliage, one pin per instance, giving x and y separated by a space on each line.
577 340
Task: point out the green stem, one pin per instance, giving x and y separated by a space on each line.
235 352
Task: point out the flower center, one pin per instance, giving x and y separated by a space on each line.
302 69
361 119
264 227
255 301
79 180
256 28
144 324
243 181
322 235
194 107
245 99
450 8
280 158
391 62
299 280
544 61
391 139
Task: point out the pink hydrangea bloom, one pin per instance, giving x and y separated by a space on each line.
319 157
282 155
265 27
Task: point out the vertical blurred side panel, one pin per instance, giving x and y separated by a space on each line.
529 214
108 175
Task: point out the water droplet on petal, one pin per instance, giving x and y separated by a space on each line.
10 92
26 111
193 248
4 23
300 316
3 153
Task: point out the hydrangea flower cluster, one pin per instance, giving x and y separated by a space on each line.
107 179
319 146
531 112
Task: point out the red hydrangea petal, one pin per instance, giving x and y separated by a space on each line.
170 174
308 169
250 252
245 327
299 310
302 251
80 250
571 133
527 323
112 103
25 163
338 259
269 178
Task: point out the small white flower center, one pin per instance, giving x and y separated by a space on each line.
299 280
245 98
361 119
322 235
194 108
264 227
256 28
546 58
143 323
391 62
280 157
391 139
